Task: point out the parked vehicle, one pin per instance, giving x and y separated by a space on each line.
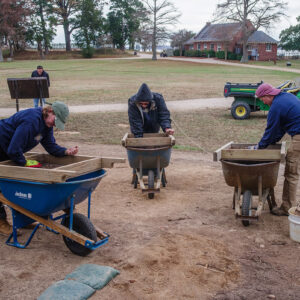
245 101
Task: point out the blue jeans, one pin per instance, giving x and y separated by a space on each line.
36 102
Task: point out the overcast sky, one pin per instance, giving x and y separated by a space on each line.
195 14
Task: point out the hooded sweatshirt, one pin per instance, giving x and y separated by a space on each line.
147 120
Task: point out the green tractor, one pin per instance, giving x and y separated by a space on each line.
245 101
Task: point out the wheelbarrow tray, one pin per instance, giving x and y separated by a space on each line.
33 201
246 173
43 198
151 150
148 157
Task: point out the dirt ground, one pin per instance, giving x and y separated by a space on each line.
183 244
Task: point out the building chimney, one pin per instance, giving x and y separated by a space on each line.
208 23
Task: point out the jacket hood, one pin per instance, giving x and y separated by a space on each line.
143 94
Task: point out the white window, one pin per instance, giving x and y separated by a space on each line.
212 46
205 46
191 47
268 47
219 47
198 46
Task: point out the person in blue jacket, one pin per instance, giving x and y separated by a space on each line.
26 129
39 72
147 113
283 117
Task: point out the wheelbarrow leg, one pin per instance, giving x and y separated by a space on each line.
262 197
237 197
134 176
164 178
271 199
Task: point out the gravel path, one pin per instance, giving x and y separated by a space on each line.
178 105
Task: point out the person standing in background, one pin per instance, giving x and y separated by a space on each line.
39 72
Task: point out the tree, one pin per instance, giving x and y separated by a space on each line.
42 24
252 14
66 11
290 37
162 13
90 24
123 21
179 38
12 19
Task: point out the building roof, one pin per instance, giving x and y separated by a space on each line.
218 32
261 37
226 32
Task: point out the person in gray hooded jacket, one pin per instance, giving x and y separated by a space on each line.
147 112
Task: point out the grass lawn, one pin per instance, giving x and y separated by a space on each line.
280 63
202 130
84 81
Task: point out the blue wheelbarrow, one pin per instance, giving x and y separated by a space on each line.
149 156
36 202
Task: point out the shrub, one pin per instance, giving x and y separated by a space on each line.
220 54
211 53
176 52
88 52
231 56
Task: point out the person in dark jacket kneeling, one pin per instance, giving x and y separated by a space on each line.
26 129
147 112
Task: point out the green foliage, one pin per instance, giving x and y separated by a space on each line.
41 25
290 37
220 54
90 26
88 52
176 52
123 21
211 53
231 56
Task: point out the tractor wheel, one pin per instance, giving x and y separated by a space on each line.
240 110
82 225
246 206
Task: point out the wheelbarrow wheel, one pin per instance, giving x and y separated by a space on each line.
82 225
150 183
246 206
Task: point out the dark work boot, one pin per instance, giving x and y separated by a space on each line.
279 211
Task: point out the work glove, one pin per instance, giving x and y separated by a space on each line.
33 164
254 147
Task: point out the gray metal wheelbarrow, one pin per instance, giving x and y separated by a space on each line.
149 156
251 173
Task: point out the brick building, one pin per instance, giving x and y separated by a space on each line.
228 36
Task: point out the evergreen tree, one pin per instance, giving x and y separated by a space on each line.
123 21
290 37
90 23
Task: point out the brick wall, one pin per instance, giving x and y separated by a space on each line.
267 55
